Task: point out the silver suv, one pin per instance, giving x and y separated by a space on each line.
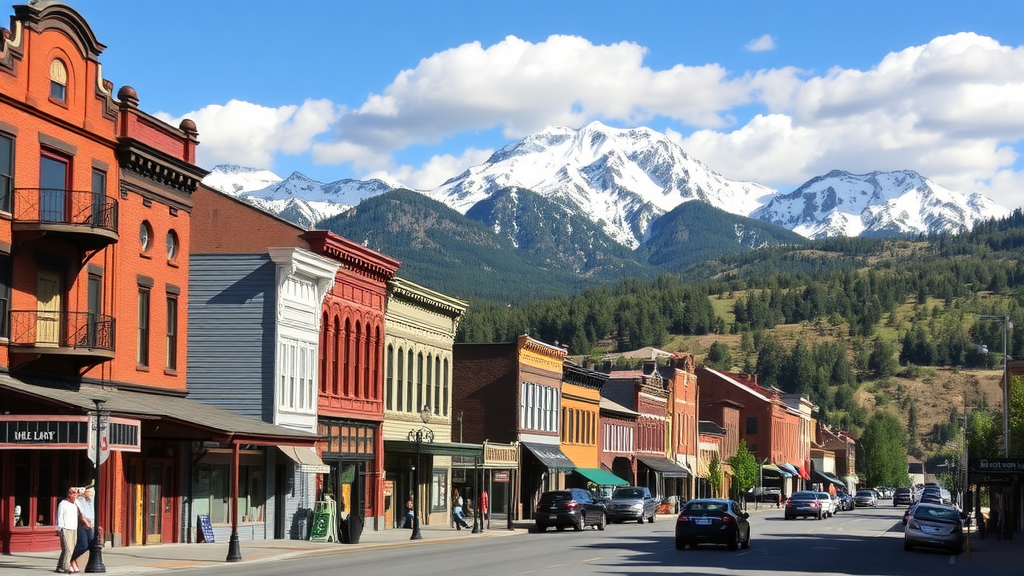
632 503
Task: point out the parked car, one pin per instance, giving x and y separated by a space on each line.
573 507
846 501
902 496
866 498
632 503
803 504
714 521
908 513
829 504
934 525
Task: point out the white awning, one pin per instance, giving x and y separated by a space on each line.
306 458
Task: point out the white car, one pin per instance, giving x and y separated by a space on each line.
829 504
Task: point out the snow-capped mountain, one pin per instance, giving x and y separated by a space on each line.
297 198
620 178
876 204
237 180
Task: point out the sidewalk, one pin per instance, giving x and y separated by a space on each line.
164 557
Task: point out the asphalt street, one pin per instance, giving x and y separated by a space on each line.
867 541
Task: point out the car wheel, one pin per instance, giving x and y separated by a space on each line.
640 520
680 544
653 516
789 517
819 516
560 528
577 526
746 543
602 522
734 542
541 527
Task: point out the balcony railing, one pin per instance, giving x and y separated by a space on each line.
48 206
79 331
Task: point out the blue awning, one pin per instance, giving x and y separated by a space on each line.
773 469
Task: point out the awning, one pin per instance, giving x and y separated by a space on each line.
789 468
473 453
551 456
306 458
193 420
800 471
664 466
601 477
828 479
773 469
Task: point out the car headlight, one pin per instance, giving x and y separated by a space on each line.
638 506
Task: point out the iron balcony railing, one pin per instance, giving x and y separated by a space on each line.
70 207
53 329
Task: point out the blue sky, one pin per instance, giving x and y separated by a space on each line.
417 91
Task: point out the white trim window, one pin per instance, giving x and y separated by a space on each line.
538 407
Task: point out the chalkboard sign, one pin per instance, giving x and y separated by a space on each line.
204 529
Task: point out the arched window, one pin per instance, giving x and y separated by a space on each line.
447 387
429 400
357 360
58 81
389 393
421 394
437 385
336 357
400 393
410 391
346 376
323 353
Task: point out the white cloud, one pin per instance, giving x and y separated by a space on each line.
251 135
762 44
435 171
950 109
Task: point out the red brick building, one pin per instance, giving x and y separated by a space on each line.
95 202
684 415
770 427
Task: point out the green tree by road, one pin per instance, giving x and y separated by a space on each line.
882 451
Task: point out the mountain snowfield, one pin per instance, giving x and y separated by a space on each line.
620 178
879 203
623 179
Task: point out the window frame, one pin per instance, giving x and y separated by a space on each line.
142 332
6 172
171 338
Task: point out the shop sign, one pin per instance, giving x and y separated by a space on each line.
997 465
500 476
67 432
52 432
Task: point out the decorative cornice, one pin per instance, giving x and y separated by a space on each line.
149 165
354 257
13 46
402 289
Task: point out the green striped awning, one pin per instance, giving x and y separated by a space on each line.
601 477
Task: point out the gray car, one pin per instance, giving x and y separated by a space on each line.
632 503
934 525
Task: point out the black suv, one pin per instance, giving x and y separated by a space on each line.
572 507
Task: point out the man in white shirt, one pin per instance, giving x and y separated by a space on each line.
85 524
67 529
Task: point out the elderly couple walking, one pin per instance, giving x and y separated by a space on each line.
75 520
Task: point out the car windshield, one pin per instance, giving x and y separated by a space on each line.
823 495
705 507
628 493
936 514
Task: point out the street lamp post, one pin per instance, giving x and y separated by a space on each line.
419 436
95 564
1007 326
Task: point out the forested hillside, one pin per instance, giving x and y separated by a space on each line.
853 323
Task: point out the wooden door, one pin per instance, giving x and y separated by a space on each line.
48 296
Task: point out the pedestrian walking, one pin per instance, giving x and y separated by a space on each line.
485 505
409 513
460 521
86 521
67 529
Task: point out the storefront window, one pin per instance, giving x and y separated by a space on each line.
211 486
439 491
